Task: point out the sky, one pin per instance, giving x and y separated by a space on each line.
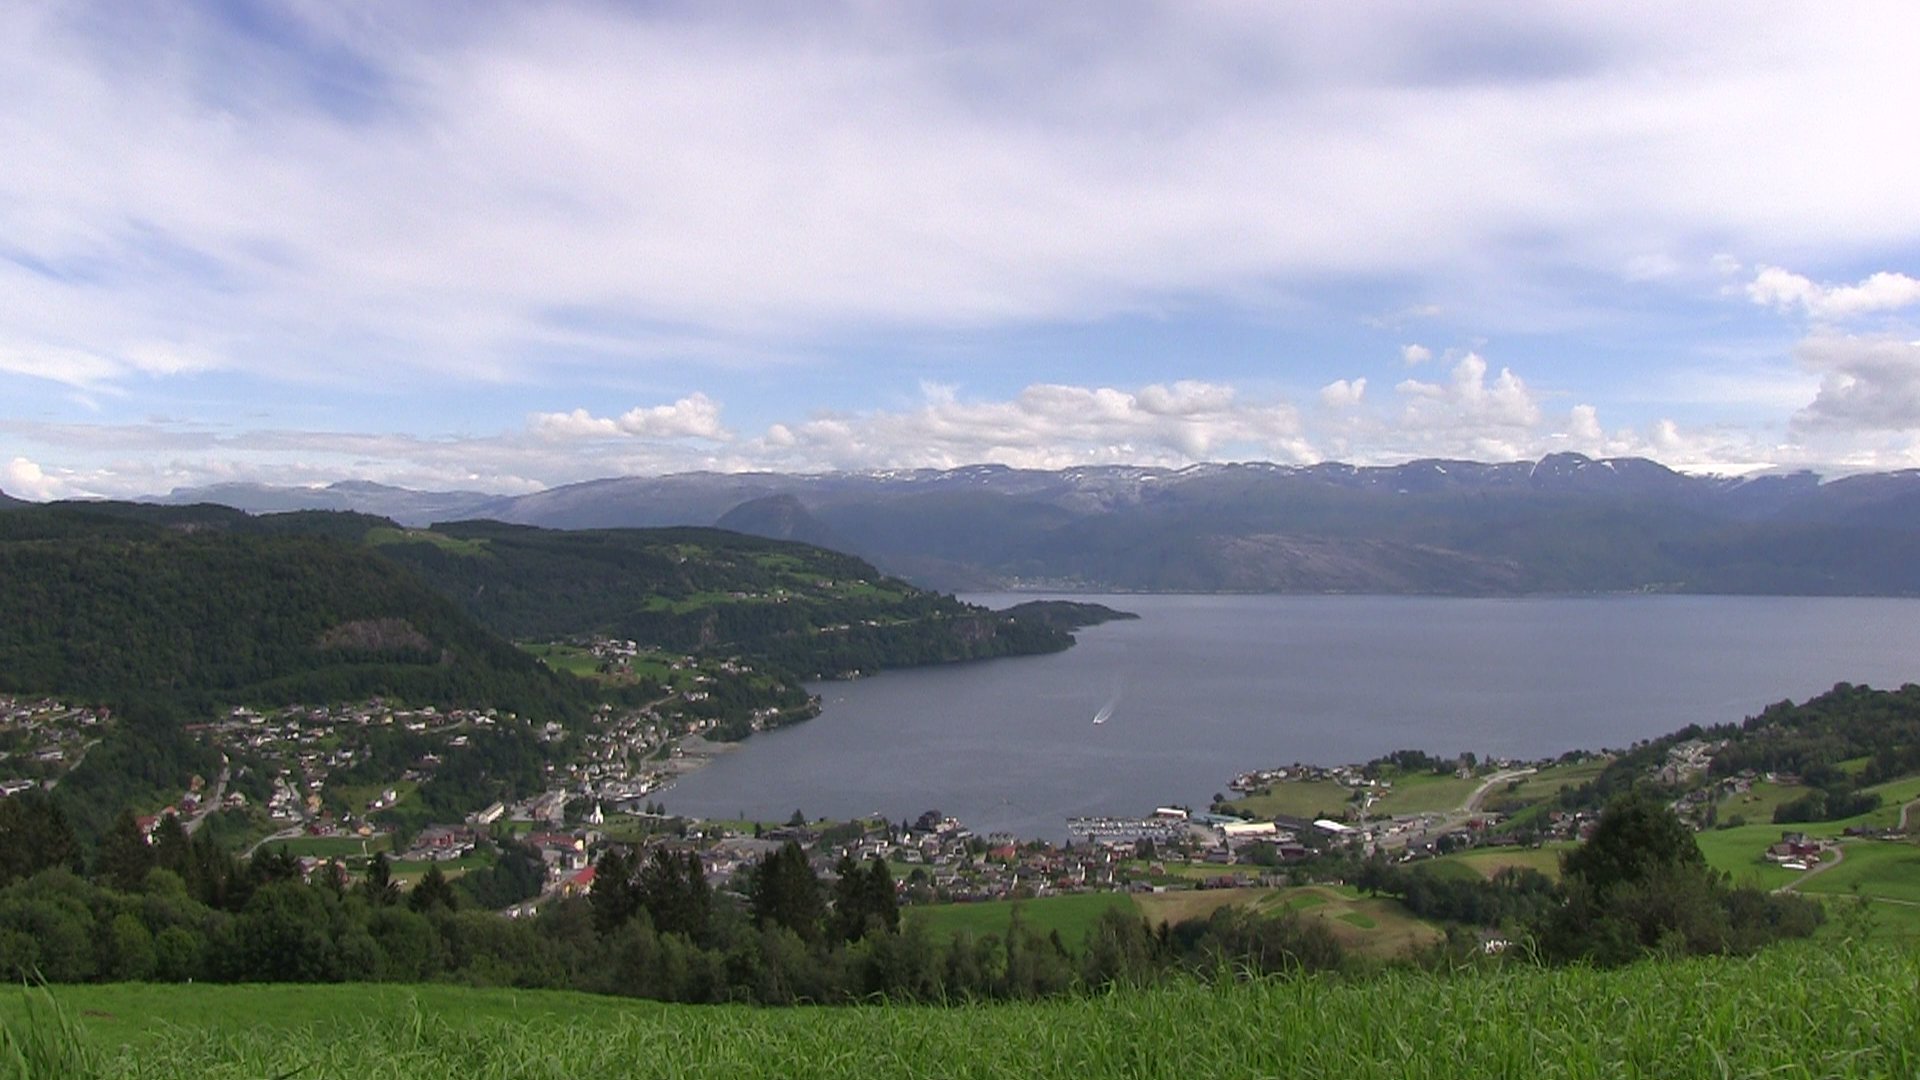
504 246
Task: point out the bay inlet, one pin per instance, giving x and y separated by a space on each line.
1201 688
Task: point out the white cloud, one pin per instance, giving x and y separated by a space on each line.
1343 393
1412 355
695 416
1467 399
470 194
1048 426
578 424
1784 290
24 479
1583 433
1867 384
1583 425
72 367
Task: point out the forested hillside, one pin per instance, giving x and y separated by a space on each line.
121 597
106 606
804 609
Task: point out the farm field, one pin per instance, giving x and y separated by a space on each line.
329 847
1490 861
1737 852
1549 781
1793 1011
381 534
1367 926
1881 869
1306 799
578 661
1072 916
1758 804
1424 794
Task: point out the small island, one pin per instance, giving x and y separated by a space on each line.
1066 615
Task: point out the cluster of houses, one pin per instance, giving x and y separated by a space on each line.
194 801
309 742
1687 760
42 738
1797 851
940 859
1261 779
628 754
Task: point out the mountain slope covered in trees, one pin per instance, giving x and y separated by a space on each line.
803 609
203 603
196 607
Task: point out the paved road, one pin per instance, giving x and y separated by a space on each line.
1457 816
291 832
211 804
1466 810
1473 801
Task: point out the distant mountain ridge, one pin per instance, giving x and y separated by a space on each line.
403 505
1565 523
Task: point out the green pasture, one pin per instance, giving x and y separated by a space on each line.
1877 869
1073 915
1424 793
1758 803
1486 862
1551 779
1375 927
383 534
1739 853
1305 799
329 847
562 657
1796 1012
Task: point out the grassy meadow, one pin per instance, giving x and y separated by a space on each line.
1795 1012
1486 862
1375 927
1071 916
1302 799
1424 793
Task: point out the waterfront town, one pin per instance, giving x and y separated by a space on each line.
335 783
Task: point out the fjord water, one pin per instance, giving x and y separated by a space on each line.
1204 687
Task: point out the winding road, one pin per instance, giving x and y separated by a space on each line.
1472 804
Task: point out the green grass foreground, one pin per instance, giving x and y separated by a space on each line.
1794 1011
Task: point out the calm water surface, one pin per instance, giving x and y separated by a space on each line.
1204 687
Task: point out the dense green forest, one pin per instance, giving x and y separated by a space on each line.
203 600
116 609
